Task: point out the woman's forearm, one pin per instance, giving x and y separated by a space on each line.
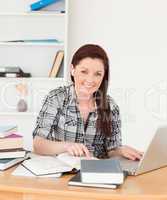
46 147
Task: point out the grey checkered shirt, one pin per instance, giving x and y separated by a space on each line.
60 120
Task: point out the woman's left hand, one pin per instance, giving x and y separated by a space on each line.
129 152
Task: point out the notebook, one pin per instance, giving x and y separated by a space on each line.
76 181
154 157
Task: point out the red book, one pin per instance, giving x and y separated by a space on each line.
13 135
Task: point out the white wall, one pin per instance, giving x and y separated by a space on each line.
133 33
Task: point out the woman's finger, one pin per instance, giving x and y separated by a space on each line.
75 150
86 151
79 149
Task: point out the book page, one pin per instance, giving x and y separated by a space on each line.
73 161
42 165
22 171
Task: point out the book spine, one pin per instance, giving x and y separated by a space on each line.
41 4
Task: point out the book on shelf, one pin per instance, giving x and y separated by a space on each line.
10 69
107 171
15 75
60 72
57 64
41 4
13 72
11 141
9 162
76 181
12 153
6 130
43 165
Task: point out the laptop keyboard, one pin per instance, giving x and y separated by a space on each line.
129 165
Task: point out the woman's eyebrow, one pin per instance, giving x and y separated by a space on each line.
99 71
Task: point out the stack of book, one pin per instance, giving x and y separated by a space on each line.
11 147
106 173
12 72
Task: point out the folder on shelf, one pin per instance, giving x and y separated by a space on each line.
57 63
41 4
45 40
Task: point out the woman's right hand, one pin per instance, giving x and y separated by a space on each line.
77 149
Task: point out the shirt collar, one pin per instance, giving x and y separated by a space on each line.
73 98
72 95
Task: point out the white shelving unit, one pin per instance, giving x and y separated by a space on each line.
18 23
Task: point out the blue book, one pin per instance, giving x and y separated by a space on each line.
41 4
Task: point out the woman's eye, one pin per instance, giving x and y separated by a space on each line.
98 74
84 72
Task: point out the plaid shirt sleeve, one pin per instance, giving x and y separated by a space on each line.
115 140
47 115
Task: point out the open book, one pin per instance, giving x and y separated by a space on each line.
44 165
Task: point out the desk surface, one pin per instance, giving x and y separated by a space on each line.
152 185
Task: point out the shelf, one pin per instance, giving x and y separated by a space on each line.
34 13
21 114
36 57
34 79
61 44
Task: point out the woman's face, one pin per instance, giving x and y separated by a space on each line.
88 75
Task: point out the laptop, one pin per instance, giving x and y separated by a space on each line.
154 157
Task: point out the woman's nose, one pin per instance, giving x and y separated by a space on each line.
90 78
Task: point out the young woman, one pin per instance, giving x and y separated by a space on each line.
81 118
